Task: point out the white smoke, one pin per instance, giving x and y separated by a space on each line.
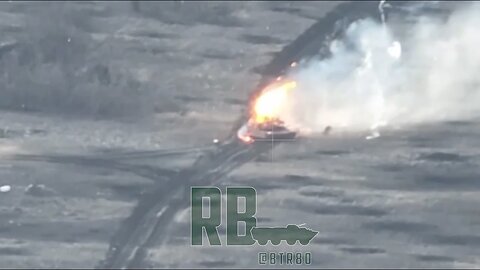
372 79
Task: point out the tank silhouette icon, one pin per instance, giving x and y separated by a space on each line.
291 234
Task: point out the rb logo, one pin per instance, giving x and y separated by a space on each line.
211 222
291 233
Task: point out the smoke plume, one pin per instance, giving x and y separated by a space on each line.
374 78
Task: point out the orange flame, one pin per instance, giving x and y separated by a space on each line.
268 105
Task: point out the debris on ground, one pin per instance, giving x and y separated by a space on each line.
39 190
5 188
327 130
373 135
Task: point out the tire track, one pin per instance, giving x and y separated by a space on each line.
159 153
155 210
149 172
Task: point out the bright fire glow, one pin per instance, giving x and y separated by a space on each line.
269 104
244 135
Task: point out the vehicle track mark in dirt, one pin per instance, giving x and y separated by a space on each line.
158 153
149 172
151 217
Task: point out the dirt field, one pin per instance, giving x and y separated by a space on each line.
101 101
